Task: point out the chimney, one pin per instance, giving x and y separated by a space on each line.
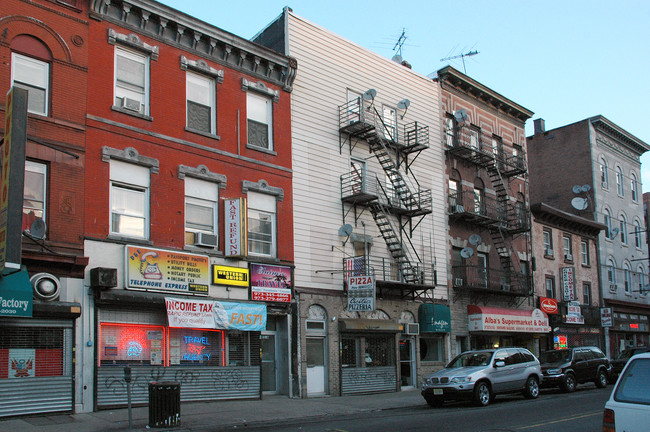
539 126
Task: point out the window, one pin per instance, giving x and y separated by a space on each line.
432 348
449 132
634 188
628 278
201 103
611 272
35 193
637 234
584 252
479 197
623 229
608 223
357 175
129 200
550 286
34 76
641 272
132 81
390 123
259 110
548 242
586 293
620 188
261 224
454 198
482 269
603 173
201 208
367 351
473 139
567 247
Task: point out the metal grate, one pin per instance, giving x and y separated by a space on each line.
35 352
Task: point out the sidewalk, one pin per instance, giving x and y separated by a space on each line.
219 415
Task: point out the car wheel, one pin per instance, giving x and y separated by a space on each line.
601 379
569 384
531 391
435 402
482 394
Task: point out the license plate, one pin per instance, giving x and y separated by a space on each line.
437 391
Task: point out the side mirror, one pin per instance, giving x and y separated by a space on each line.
499 363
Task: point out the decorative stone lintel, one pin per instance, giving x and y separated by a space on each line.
133 41
202 172
262 186
260 87
131 155
201 66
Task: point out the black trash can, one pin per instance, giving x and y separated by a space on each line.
164 404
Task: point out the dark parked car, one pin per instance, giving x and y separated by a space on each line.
619 363
566 368
481 375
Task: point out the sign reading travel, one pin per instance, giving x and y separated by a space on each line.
361 293
224 275
270 283
215 314
159 270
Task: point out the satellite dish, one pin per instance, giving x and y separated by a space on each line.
586 188
460 116
614 232
579 203
370 94
475 239
37 229
345 230
403 104
467 252
397 58
577 189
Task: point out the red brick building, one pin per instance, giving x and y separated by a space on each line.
188 197
44 50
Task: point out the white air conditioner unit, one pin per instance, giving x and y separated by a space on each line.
458 282
568 257
205 240
548 252
458 209
412 329
505 287
613 287
131 104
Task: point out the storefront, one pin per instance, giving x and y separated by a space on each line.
36 350
434 327
629 329
572 324
491 327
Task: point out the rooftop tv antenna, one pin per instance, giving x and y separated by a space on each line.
398 47
461 56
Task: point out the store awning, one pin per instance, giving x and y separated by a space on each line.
16 295
375 325
482 318
434 318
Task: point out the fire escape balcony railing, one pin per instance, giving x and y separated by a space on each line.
488 212
483 279
386 269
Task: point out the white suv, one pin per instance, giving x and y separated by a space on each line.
481 375
628 407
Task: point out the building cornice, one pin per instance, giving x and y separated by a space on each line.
563 220
606 127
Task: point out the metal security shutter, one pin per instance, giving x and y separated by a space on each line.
198 383
368 380
36 374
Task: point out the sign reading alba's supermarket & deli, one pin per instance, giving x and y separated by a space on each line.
207 314
483 318
160 270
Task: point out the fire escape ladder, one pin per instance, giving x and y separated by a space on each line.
396 247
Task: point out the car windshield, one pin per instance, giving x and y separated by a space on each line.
555 356
471 359
625 354
633 385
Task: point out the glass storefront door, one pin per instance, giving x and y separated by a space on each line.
407 364
269 370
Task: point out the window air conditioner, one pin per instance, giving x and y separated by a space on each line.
458 209
549 252
205 240
131 104
458 282
505 287
412 329
613 287
568 257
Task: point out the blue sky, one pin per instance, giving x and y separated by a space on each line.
564 60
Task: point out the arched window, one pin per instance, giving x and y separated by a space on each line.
637 234
623 229
611 272
603 173
620 188
479 197
607 220
634 187
455 192
30 70
641 272
628 277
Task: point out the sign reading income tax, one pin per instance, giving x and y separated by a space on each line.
167 271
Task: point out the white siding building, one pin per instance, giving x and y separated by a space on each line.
368 182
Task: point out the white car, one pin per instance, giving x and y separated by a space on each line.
628 407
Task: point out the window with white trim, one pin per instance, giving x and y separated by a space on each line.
607 220
259 111
262 231
548 242
603 173
586 293
628 278
637 234
641 272
201 103
549 283
129 200
201 209
567 247
131 81
34 76
584 252
611 272
390 122
623 223
35 192
620 188
634 188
